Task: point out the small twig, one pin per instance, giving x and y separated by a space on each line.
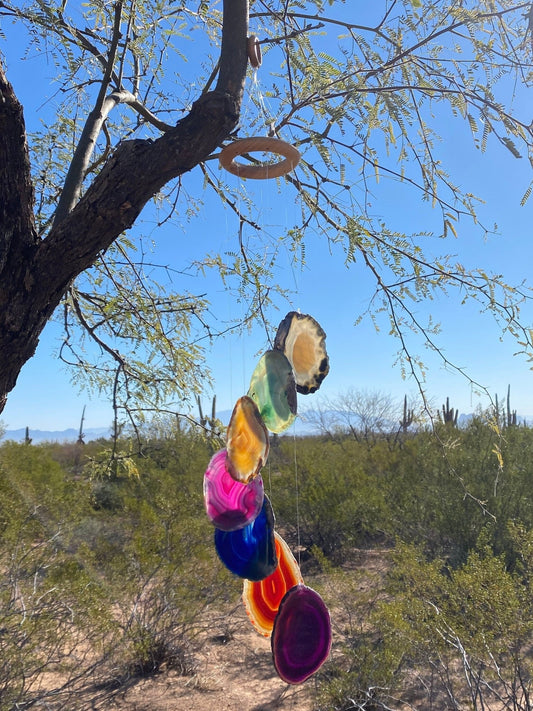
292 35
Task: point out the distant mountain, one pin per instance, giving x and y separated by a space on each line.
463 420
69 435
303 425
300 428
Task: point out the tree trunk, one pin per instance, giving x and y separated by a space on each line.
35 274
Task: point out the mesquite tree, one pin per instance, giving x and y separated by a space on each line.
359 91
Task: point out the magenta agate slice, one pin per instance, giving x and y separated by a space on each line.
301 638
230 504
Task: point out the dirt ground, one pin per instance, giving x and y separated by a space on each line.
229 665
235 674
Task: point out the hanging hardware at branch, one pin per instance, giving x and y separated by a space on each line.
254 51
266 144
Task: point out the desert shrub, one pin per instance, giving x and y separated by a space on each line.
157 557
135 555
444 638
426 487
322 488
71 456
101 592
163 613
362 670
157 634
107 495
42 489
35 471
53 616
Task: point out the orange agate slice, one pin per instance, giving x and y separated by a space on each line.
246 441
262 599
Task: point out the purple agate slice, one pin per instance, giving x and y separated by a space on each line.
230 504
301 638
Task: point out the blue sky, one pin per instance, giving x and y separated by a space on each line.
360 357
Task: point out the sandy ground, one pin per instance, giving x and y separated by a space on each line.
236 674
230 665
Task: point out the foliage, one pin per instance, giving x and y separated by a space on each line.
338 504
429 587
52 613
476 618
439 490
70 565
441 637
365 94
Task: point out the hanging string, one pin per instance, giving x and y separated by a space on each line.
243 306
269 115
255 109
250 271
269 479
292 260
264 110
297 497
269 121
228 319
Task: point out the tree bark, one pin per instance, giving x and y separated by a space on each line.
35 274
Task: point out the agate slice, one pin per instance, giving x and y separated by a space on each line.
262 599
250 552
230 504
273 389
303 342
246 441
301 638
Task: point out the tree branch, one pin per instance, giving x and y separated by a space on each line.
84 150
136 172
16 190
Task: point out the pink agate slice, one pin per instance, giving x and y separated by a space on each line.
230 504
301 638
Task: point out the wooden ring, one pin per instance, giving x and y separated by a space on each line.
254 51
259 143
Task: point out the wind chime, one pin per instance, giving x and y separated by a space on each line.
277 602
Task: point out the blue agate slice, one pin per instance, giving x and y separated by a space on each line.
250 552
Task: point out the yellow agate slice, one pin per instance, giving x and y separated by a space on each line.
246 441
273 389
303 342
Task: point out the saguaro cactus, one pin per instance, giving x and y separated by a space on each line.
449 414
511 416
407 417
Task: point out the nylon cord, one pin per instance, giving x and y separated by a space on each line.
297 495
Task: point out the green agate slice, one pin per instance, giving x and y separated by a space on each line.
273 389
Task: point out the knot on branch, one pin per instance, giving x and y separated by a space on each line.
218 107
